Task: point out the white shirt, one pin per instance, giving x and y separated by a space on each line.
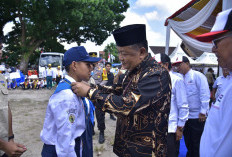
198 93
64 122
179 106
216 140
220 81
49 72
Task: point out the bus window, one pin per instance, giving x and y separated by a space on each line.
50 59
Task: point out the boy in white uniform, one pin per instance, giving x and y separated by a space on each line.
216 140
65 120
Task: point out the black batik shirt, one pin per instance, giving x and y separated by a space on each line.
142 106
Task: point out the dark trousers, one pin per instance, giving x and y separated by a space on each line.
49 82
100 115
173 145
48 151
58 80
192 135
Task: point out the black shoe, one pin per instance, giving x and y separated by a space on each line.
101 137
112 117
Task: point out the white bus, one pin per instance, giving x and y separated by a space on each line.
53 58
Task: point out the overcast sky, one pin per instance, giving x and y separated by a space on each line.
150 12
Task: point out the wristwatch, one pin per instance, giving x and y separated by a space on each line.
11 137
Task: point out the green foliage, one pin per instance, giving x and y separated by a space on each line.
112 49
42 23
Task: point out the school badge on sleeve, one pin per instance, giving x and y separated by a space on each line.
71 115
72 118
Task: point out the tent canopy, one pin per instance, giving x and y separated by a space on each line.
208 59
177 53
195 18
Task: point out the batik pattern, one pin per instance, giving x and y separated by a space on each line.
142 106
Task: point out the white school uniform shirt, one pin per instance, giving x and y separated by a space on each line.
64 122
179 105
198 94
220 82
216 140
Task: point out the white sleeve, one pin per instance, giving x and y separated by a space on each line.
182 102
65 142
215 83
203 88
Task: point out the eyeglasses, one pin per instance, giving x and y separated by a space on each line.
216 41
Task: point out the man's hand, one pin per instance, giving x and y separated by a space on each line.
80 88
14 149
179 133
202 117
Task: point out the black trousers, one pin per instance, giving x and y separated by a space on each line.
100 115
173 145
192 135
58 80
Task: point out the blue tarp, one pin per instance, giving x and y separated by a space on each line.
183 149
21 79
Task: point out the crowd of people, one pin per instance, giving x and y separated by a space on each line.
156 102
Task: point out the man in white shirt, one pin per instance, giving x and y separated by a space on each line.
216 139
49 73
65 126
198 96
218 84
179 107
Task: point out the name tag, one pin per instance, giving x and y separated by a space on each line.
217 104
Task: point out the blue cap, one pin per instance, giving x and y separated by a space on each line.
78 54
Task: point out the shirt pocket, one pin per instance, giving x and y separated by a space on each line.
191 88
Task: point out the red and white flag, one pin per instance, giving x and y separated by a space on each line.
109 58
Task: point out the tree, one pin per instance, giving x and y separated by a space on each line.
112 49
37 22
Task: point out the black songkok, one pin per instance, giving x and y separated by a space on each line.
130 35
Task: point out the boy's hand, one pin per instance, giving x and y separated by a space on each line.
80 88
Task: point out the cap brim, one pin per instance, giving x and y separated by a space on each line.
176 63
208 37
92 59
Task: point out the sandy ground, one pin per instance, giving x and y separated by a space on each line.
28 110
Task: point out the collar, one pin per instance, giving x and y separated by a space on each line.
69 78
188 73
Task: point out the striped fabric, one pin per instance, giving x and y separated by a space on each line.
191 9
